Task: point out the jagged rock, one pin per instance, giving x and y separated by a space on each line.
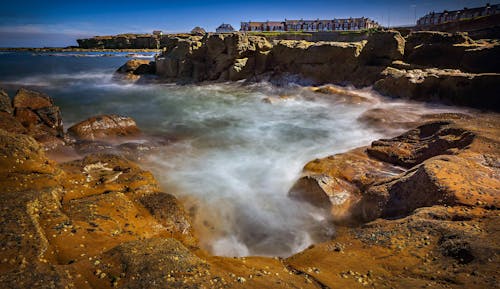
449 86
421 143
443 180
382 48
5 102
104 127
42 119
137 67
134 69
419 38
337 182
31 99
452 51
449 164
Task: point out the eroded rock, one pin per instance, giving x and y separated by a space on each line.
104 127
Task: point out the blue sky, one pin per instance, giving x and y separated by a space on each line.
37 23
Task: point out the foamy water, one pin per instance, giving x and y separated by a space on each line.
236 156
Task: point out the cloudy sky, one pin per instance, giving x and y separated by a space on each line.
54 23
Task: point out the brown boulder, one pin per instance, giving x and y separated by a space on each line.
9 123
31 99
337 182
137 67
104 127
37 112
421 143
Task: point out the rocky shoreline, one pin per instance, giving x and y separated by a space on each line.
417 210
74 49
427 66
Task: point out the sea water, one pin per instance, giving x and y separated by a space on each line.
236 148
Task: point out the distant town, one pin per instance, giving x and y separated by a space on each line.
355 24
311 30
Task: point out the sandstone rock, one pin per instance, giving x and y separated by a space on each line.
31 99
5 102
419 38
170 213
449 86
384 119
137 67
104 127
337 182
452 51
9 123
421 143
382 48
346 95
37 112
134 69
443 180
22 154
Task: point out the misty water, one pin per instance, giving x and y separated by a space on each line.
232 156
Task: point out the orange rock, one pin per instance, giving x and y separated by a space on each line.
31 99
104 127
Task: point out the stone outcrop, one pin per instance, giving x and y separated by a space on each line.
452 51
122 41
438 163
430 66
238 56
448 86
33 113
104 127
133 69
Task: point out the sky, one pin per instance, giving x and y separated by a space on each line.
55 23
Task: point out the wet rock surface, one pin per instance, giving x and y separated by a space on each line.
104 127
134 69
416 210
433 224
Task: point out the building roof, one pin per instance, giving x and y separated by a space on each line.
225 26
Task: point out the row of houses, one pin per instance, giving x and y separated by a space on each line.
434 18
310 25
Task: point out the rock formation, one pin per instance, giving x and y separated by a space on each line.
426 200
104 127
134 69
430 66
429 165
33 113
